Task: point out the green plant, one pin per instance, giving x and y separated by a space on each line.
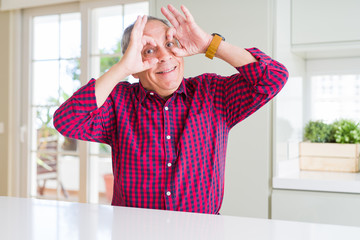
346 131
318 131
107 62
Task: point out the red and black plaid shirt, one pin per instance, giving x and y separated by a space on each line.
170 154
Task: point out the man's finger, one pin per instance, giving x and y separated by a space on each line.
169 17
170 33
143 22
187 13
179 17
148 40
138 28
137 23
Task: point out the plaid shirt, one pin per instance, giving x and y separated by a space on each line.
170 154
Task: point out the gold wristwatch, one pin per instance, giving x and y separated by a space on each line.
215 42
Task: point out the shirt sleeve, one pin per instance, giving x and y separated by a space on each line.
80 118
242 94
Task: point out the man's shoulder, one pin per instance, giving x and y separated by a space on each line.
201 85
199 78
125 86
203 80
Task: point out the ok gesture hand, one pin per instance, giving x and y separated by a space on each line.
193 40
132 59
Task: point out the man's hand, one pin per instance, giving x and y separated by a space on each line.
129 64
193 40
132 60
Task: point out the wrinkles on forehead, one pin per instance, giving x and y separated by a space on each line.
156 29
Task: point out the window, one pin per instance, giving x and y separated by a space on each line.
55 76
67 45
329 90
323 85
335 96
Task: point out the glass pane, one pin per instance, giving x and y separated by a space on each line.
99 65
69 78
68 144
69 170
99 148
46 37
101 180
57 176
107 30
46 174
46 135
70 35
335 97
45 82
131 11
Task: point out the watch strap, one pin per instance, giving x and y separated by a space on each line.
214 44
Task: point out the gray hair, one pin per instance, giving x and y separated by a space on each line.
127 33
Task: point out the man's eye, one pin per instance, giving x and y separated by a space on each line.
149 51
169 44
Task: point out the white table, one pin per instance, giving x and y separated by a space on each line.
22 218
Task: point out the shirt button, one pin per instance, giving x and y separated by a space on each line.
169 164
168 137
151 93
168 193
166 108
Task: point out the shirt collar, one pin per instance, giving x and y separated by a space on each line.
143 92
182 88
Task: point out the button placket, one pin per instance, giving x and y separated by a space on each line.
169 141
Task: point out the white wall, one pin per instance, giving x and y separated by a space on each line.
5 69
288 109
244 23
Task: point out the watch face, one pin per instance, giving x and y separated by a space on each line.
219 36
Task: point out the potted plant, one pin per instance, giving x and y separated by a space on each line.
330 147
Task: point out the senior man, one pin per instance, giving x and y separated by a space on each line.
168 133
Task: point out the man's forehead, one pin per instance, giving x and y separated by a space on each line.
155 28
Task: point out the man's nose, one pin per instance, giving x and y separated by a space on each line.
164 54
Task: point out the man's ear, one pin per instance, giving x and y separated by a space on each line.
135 75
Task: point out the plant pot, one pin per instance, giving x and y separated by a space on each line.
109 185
333 157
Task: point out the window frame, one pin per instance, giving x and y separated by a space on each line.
85 10
286 174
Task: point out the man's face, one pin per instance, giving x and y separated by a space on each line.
165 77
